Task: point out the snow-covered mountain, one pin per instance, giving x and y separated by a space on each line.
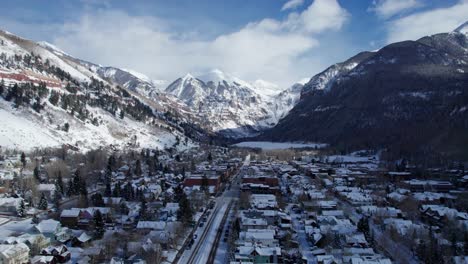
409 96
333 74
231 106
48 98
214 102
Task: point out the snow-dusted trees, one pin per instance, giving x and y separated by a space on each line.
21 210
43 202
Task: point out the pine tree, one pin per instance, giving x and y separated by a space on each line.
205 184
123 209
108 191
138 170
143 210
43 203
23 159
97 200
21 211
116 191
185 212
57 198
66 127
59 184
70 190
36 174
98 224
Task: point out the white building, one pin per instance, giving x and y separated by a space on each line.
14 254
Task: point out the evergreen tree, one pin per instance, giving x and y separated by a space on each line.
23 159
97 200
70 190
185 212
36 174
21 211
108 191
57 198
122 114
59 184
123 209
363 226
205 184
35 219
66 127
116 191
98 224
143 210
178 193
83 188
138 170
43 203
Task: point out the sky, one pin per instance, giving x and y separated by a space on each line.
278 41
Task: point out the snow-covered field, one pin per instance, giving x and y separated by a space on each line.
266 145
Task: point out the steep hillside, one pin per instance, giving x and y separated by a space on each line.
411 96
48 98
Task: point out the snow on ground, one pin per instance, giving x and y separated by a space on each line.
266 145
204 251
20 132
24 129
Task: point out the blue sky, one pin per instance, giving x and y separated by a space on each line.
279 41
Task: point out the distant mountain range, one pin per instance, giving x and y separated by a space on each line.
411 96
231 106
212 104
408 96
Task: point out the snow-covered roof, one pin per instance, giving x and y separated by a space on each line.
155 225
10 251
48 226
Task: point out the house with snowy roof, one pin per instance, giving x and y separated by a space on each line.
47 189
151 225
9 205
49 228
43 260
259 236
60 252
12 254
70 217
253 253
35 242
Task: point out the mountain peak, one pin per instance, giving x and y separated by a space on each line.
463 28
188 76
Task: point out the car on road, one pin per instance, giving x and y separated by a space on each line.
201 224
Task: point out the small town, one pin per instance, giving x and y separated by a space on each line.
229 205
234 132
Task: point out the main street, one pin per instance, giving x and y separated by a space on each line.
205 241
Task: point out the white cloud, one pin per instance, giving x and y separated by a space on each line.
388 8
430 22
268 49
292 4
320 16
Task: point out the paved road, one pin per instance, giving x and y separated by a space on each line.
199 252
